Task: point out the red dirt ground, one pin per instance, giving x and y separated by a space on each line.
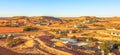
10 29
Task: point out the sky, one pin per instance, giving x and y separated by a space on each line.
59 8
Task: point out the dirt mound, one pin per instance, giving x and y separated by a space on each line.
60 44
30 43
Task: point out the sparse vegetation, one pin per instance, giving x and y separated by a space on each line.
91 39
73 37
60 36
30 28
105 46
79 26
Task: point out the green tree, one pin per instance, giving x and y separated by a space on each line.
28 28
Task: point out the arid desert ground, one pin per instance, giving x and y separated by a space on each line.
46 35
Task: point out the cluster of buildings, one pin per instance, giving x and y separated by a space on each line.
3 36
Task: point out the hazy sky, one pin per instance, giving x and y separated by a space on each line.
60 7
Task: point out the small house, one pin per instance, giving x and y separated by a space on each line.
88 21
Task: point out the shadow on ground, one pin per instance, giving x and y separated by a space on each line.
4 51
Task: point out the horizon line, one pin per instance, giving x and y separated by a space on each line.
59 16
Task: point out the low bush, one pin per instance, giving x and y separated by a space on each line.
30 28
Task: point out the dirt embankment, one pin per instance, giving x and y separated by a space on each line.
50 49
